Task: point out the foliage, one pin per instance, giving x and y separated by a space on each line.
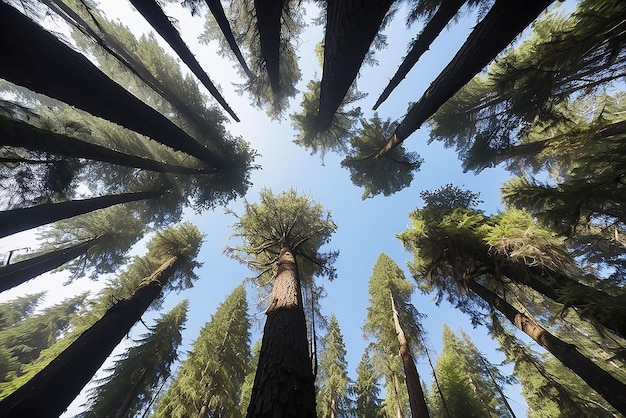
19 308
367 391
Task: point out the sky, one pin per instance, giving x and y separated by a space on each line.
365 228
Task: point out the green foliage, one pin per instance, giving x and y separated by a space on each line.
367 403
215 369
15 310
248 383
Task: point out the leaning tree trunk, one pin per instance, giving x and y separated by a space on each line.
350 29
498 29
52 390
153 13
284 383
17 220
610 388
417 401
42 63
446 11
20 272
268 15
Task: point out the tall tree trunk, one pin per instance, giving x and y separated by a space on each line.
497 386
20 272
153 13
399 413
51 390
215 6
332 410
610 388
42 63
268 15
446 11
284 384
16 133
498 29
417 400
17 220
351 26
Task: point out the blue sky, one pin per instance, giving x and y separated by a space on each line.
365 228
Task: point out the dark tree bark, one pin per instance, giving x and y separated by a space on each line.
20 272
42 63
51 390
215 6
153 13
20 134
417 401
498 29
350 29
284 383
446 11
17 220
268 15
610 388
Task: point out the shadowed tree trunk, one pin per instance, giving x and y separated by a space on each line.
17 220
153 13
446 11
417 401
351 26
42 63
51 390
284 382
498 29
20 272
268 14
610 388
122 412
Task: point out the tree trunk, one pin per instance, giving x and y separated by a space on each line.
268 15
20 134
215 6
446 11
498 29
20 272
17 220
417 401
284 384
497 386
610 388
332 410
131 396
399 413
351 26
153 13
51 390
42 63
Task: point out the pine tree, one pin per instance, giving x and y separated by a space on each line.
209 380
368 403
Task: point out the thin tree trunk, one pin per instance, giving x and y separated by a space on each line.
399 413
215 6
332 410
17 220
268 15
417 401
610 388
42 63
498 29
131 396
446 11
497 386
20 272
153 13
284 385
51 390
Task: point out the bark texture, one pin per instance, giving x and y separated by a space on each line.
284 383
268 15
51 390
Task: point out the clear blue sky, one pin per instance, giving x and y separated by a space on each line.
365 228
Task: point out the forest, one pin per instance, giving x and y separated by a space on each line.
375 208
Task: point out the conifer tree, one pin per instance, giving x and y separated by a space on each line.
15 310
367 391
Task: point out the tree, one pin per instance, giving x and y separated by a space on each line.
170 257
15 310
210 378
281 239
367 404
139 371
333 381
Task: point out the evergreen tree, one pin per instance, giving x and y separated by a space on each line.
368 403
139 371
246 387
209 381
15 310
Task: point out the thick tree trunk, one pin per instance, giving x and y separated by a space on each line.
215 6
51 390
498 29
351 26
20 272
17 220
284 384
42 63
446 11
268 15
610 388
16 133
417 401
